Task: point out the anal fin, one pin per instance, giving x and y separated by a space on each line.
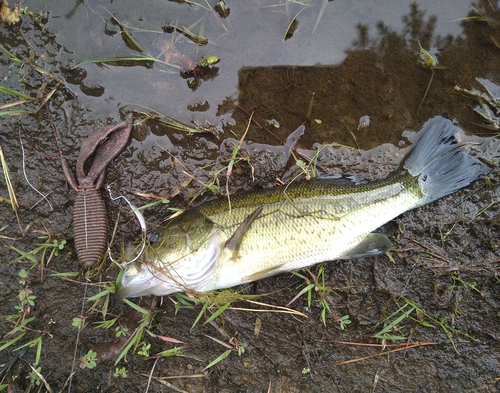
371 245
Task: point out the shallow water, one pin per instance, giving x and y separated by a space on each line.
342 62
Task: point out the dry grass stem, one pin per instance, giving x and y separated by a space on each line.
10 188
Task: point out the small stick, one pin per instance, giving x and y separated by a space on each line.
415 345
37 202
430 250
310 108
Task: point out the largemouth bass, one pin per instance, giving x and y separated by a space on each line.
267 232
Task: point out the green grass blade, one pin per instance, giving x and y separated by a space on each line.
31 343
198 40
151 204
135 306
115 60
26 255
12 341
6 90
306 289
219 311
176 125
125 350
394 323
221 357
14 112
38 351
65 274
128 37
169 352
135 340
99 295
12 56
205 306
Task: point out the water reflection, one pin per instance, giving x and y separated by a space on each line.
382 77
250 35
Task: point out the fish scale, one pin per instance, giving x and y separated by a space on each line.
267 232
306 236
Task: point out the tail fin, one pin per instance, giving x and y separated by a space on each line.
439 161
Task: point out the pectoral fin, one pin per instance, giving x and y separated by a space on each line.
262 274
234 241
371 245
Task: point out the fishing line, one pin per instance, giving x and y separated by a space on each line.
142 223
26 176
80 325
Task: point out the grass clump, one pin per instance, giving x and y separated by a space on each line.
22 337
315 284
409 310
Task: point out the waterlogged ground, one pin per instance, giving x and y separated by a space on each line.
424 320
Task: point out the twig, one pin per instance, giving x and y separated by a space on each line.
356 344
54 130
178 376
415 345
279 309
45 99
37 202
170 385
427 90
40 376
151 375
430 250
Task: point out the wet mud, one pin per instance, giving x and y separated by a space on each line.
423 319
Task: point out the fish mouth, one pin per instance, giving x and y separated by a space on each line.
143 278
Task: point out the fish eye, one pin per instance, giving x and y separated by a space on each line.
153 238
